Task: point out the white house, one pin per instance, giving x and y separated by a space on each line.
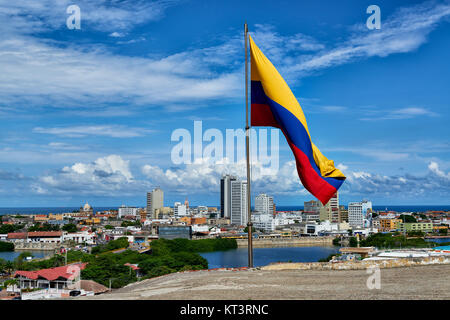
80 237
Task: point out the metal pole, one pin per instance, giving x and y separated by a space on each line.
247 144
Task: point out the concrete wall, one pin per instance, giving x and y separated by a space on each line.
359 265
35 246
287 242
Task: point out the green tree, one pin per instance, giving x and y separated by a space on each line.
407 218
246 229
9 228
107 267
6 246
70 227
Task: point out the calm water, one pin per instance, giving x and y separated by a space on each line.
42 210
264 256
11 255
439 240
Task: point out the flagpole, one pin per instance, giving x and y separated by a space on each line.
247 145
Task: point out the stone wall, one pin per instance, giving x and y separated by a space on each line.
287 242
359 265
35 246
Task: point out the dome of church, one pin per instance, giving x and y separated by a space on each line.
87 207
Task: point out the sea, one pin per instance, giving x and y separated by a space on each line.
397 208
46 210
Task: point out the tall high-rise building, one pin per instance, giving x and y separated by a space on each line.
225 195
343 213
334 206
239 202
359 214
311 210
155 200
331 210
264 204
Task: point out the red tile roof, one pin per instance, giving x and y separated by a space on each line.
132 266
45 234
17 235
66 272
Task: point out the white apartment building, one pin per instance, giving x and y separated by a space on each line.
264 204
359 214
315 229
200 228
269 222
124 211
179 210
239 203
263 221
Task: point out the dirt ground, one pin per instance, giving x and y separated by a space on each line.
419 282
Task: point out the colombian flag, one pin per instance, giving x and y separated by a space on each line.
273 104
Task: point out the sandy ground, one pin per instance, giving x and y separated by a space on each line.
419 282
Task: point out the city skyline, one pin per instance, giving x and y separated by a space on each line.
88 114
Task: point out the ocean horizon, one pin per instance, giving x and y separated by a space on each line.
46 210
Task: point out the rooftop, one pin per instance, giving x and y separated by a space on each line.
68 272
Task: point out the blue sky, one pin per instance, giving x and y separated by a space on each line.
87 115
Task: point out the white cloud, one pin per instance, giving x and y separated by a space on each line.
116 34
110 175
38 71
434 183
114 131
204 176
402 113
104 16
434 167
402 32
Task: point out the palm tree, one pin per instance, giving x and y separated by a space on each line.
9 266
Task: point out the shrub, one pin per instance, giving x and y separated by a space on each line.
6 246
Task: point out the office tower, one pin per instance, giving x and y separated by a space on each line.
359 214
179 210
225 195
311 210
334 206
343 213
155 200
239 202
264 204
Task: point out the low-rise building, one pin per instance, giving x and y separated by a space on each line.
40 218
389 224
128 211
58 278
173 232
80 237
45 236
415 226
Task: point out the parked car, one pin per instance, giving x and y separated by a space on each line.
74 293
